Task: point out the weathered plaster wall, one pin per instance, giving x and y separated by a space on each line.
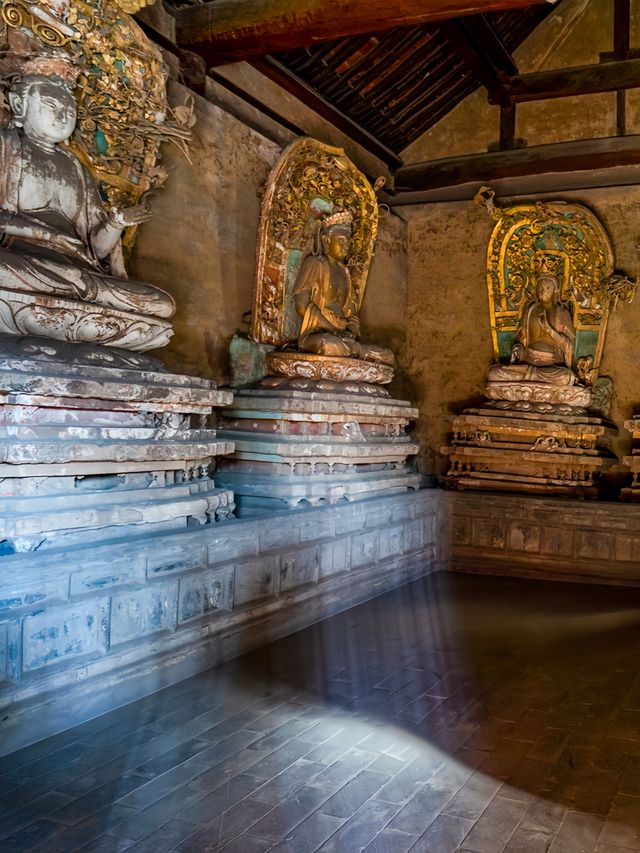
250 80
576 33
384 308
448 347
200 243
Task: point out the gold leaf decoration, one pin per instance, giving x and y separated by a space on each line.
566 240
123 114
133 6
308 177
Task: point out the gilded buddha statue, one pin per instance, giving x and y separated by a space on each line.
56 236
543 348
326 301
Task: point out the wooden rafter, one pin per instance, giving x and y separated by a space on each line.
278 73
479 45
230 30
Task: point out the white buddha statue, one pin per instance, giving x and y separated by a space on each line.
56 235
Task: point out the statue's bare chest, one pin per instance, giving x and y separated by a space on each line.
49 182
338 284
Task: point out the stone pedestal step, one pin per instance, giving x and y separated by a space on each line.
258 400
294 448
34 379
91 453
163 508
315 490
559 453
486 481
74 414
591 459
44 523
297 449
76 497
102 434
60 452
94 469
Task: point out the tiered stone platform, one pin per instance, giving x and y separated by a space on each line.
534 448
96 445
632 492
295 448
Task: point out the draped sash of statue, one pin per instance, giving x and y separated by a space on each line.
10 177
315 276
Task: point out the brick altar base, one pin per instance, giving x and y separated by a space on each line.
551 539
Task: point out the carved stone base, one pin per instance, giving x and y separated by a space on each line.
308 366
526 406
529 452
78 355
299 448
88 454
321 386
540 392
83 322
632 493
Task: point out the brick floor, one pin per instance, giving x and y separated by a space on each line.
457 713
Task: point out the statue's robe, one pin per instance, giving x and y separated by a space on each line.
541 358
330 307
329 310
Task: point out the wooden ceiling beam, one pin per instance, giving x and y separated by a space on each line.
527 185
581 155
621 42
580 80
481 49
231 30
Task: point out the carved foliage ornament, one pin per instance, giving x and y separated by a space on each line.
121 93
332 368
309 181
568 241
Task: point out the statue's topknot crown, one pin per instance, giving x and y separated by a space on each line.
60 67
341 217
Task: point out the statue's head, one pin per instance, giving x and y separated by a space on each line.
547 288
336 235
42 99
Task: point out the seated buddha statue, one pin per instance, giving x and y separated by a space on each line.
55 234
543 348
326 300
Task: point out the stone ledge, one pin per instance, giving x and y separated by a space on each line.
544 538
